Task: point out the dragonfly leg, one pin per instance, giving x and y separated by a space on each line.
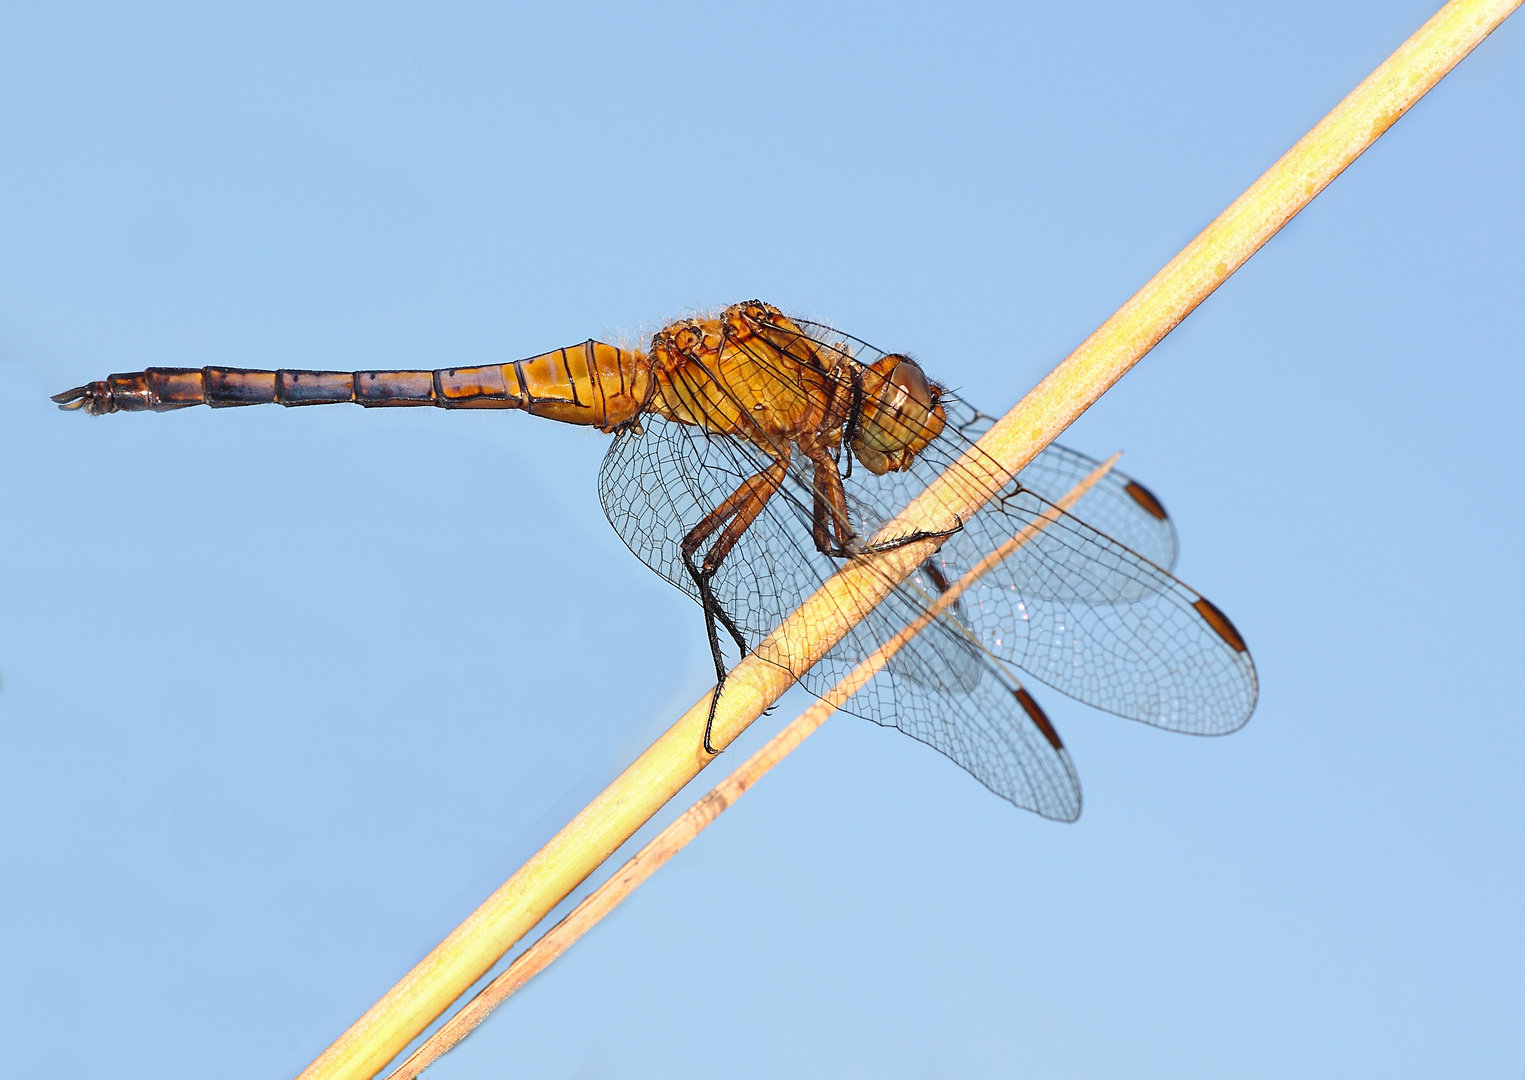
831 528
908 538
732 518
713 613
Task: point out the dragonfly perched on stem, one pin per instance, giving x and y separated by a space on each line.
754 454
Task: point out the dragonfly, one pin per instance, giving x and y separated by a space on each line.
755 454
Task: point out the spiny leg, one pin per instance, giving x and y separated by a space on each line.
697 536
909 538
737 513
831 528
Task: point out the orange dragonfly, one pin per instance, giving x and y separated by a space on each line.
753 453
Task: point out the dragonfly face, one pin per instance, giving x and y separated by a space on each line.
901 414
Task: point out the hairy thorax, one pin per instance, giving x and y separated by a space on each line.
750 372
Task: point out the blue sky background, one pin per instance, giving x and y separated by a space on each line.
285 693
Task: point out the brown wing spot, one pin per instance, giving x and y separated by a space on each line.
1039 717
1220 624
1145 498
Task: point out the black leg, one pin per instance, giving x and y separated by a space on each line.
713 614
736 514
910 538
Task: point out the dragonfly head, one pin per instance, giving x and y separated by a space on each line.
902 413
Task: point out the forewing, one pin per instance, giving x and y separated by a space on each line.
1079 611
1118 505
1072 606
1165 656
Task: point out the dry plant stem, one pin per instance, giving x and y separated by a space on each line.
675 758
720 798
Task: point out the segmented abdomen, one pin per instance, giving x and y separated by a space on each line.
592 383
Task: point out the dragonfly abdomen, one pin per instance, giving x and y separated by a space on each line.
592 383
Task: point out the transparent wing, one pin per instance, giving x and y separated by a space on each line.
987 731
1164 655
1118 506
656 484
1074 607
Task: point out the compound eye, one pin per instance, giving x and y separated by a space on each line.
909 377
902 415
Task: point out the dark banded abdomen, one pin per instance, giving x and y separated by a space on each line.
592 383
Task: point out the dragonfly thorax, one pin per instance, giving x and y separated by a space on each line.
751 372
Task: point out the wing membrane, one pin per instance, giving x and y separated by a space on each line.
940 690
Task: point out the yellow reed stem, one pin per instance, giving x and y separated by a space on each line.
677 756
673 839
